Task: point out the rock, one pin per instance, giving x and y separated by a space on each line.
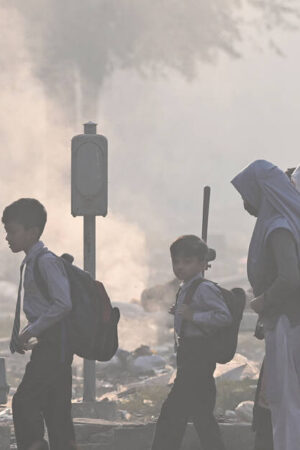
132 388
237 369
244 411
231 415
144 365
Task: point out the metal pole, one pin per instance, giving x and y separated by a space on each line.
205 214
89 251
206 199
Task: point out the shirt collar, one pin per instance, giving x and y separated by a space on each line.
186 284
35 249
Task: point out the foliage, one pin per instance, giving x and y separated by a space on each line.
84 42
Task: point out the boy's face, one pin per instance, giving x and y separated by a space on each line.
187 267
20 238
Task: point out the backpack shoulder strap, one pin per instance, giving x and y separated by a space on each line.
188 299
38 278
192 289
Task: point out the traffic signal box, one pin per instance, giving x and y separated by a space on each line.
89 173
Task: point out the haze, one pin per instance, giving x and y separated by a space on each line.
180 111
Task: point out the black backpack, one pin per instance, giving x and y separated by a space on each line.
92 324
223 343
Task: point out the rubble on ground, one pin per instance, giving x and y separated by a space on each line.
244 411
131 387
239 368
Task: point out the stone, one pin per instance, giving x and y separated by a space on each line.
244 411
231 415
239 368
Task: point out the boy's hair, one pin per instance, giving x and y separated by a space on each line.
28 212
290 171
189 245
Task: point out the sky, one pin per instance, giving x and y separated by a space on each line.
170 133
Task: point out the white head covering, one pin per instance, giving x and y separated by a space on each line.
295 177
277 202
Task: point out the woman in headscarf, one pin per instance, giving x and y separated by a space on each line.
274 274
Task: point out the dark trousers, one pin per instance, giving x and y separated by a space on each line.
262 422
264 432
44 395
193 397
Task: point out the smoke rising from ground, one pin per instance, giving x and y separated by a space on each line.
168 136
35 162
89 40
85 42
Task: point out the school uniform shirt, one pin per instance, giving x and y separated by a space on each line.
210 312
40 312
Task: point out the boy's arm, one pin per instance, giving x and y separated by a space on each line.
56 280
210 311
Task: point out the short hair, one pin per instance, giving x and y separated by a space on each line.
189 245
290 171
28 212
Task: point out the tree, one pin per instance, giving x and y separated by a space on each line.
86 40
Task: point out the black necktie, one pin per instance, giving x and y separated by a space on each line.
14 341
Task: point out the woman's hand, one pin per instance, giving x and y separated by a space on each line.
257 304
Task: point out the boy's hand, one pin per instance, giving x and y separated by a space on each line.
20 349
172 309
185 311
24 336
257 304
30 344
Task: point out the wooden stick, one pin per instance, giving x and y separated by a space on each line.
205 214
206 200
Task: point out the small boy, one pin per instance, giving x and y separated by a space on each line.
46 388
193 394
